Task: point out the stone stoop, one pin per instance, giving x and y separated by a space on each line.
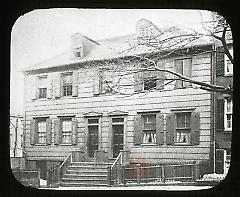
85 174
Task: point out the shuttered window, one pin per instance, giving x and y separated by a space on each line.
67 84
149 79
148 129
183 67
109 81
65 129
42 87
183 128
41 131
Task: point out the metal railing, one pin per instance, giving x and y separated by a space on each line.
53 176
149 173
115 171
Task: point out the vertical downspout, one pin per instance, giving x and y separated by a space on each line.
24 121
213 106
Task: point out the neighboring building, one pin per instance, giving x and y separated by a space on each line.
224 111
16 141
74 102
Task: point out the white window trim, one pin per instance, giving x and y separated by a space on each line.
226 113
225 63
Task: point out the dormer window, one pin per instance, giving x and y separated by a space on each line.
77 52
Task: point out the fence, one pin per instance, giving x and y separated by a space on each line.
27 177
145 173
53 176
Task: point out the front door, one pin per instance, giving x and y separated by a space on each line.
92 136
118 130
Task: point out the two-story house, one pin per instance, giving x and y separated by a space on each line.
96 97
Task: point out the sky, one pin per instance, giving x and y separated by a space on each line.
45 33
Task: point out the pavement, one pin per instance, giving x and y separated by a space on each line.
153 187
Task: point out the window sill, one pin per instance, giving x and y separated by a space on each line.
66 144
42 99
182 144
227 131
149 144
40 144
228 75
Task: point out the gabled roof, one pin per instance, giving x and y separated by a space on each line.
121 46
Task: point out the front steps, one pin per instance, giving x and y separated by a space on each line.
85 174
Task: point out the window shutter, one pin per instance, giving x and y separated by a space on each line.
57 85
49 131
195 128
138 130
74 131
33 132
34 89
220 61
171 128
49 87
187 71
75 83
160 76
220 115
159 129
57 131
138 81
178 69
220 155
97 82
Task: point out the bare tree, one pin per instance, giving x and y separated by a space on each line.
154 44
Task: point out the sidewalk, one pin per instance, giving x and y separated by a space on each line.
155 187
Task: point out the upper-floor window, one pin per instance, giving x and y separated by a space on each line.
67 84
228 114
42 87
149 80
228 65
183 67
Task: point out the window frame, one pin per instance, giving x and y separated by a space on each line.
44 133
69 132
227 62
147 131
151 80
67 85
226 113
183 85
181 129
42 87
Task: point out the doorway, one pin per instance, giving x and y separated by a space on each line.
118 131
93 127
